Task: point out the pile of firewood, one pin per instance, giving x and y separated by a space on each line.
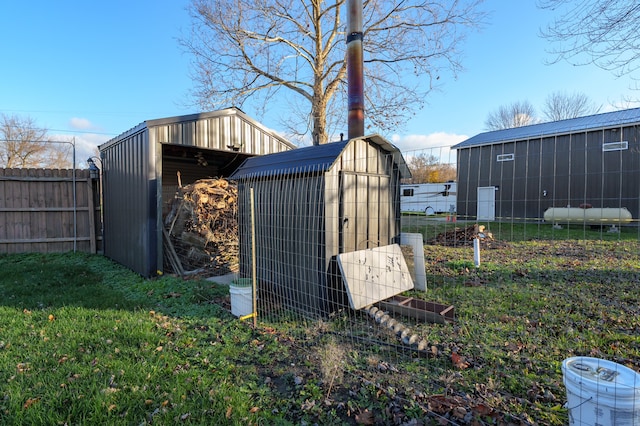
461 237
201 229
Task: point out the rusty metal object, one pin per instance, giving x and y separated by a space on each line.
355 69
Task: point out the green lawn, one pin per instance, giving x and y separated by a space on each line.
85 341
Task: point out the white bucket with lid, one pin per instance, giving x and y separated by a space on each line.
601 392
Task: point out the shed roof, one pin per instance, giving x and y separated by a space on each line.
232 111
316 159
553 128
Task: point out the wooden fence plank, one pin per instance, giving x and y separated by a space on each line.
38 213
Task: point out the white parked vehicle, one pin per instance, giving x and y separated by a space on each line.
429 198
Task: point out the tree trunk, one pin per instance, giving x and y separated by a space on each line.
319 111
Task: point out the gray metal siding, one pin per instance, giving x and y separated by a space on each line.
300 216
502 178
578 169
220 133
134 193
553 171
129 220
630 170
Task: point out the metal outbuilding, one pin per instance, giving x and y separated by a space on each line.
312 204
141 169
519 173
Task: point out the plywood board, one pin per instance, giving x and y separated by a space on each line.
373 275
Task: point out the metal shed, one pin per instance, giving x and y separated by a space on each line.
519 173
140 174
312 204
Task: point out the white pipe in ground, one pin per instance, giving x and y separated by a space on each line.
476 252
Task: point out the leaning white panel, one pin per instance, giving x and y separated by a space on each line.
374 274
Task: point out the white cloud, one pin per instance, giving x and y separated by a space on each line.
437 144
81 124
86 145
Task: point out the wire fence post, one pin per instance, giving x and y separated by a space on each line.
253 259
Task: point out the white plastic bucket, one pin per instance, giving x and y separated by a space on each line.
241 293
601 392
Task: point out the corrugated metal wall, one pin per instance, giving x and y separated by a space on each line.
553 171
369 214
221 131
130 202
134 175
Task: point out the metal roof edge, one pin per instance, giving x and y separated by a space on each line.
132 131
326 152
546 129
231 111
317 158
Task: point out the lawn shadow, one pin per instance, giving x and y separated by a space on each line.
53 280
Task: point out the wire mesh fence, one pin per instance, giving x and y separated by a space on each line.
463 315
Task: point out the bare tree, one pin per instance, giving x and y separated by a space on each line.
25 145
563 105
517 114
289 55
603 32
428 168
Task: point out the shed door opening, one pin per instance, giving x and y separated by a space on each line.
365 211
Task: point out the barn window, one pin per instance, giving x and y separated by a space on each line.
615 146
504 157
407 192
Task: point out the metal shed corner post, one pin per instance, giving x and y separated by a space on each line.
156 201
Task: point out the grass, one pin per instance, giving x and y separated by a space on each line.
521 231
532 304
85 341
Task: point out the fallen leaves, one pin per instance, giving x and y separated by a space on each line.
23 367
459 361
30 402
463 409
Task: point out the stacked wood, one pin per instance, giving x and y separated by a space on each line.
461 237
202 228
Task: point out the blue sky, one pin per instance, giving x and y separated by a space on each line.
92 70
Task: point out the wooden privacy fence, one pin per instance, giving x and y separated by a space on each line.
41 212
